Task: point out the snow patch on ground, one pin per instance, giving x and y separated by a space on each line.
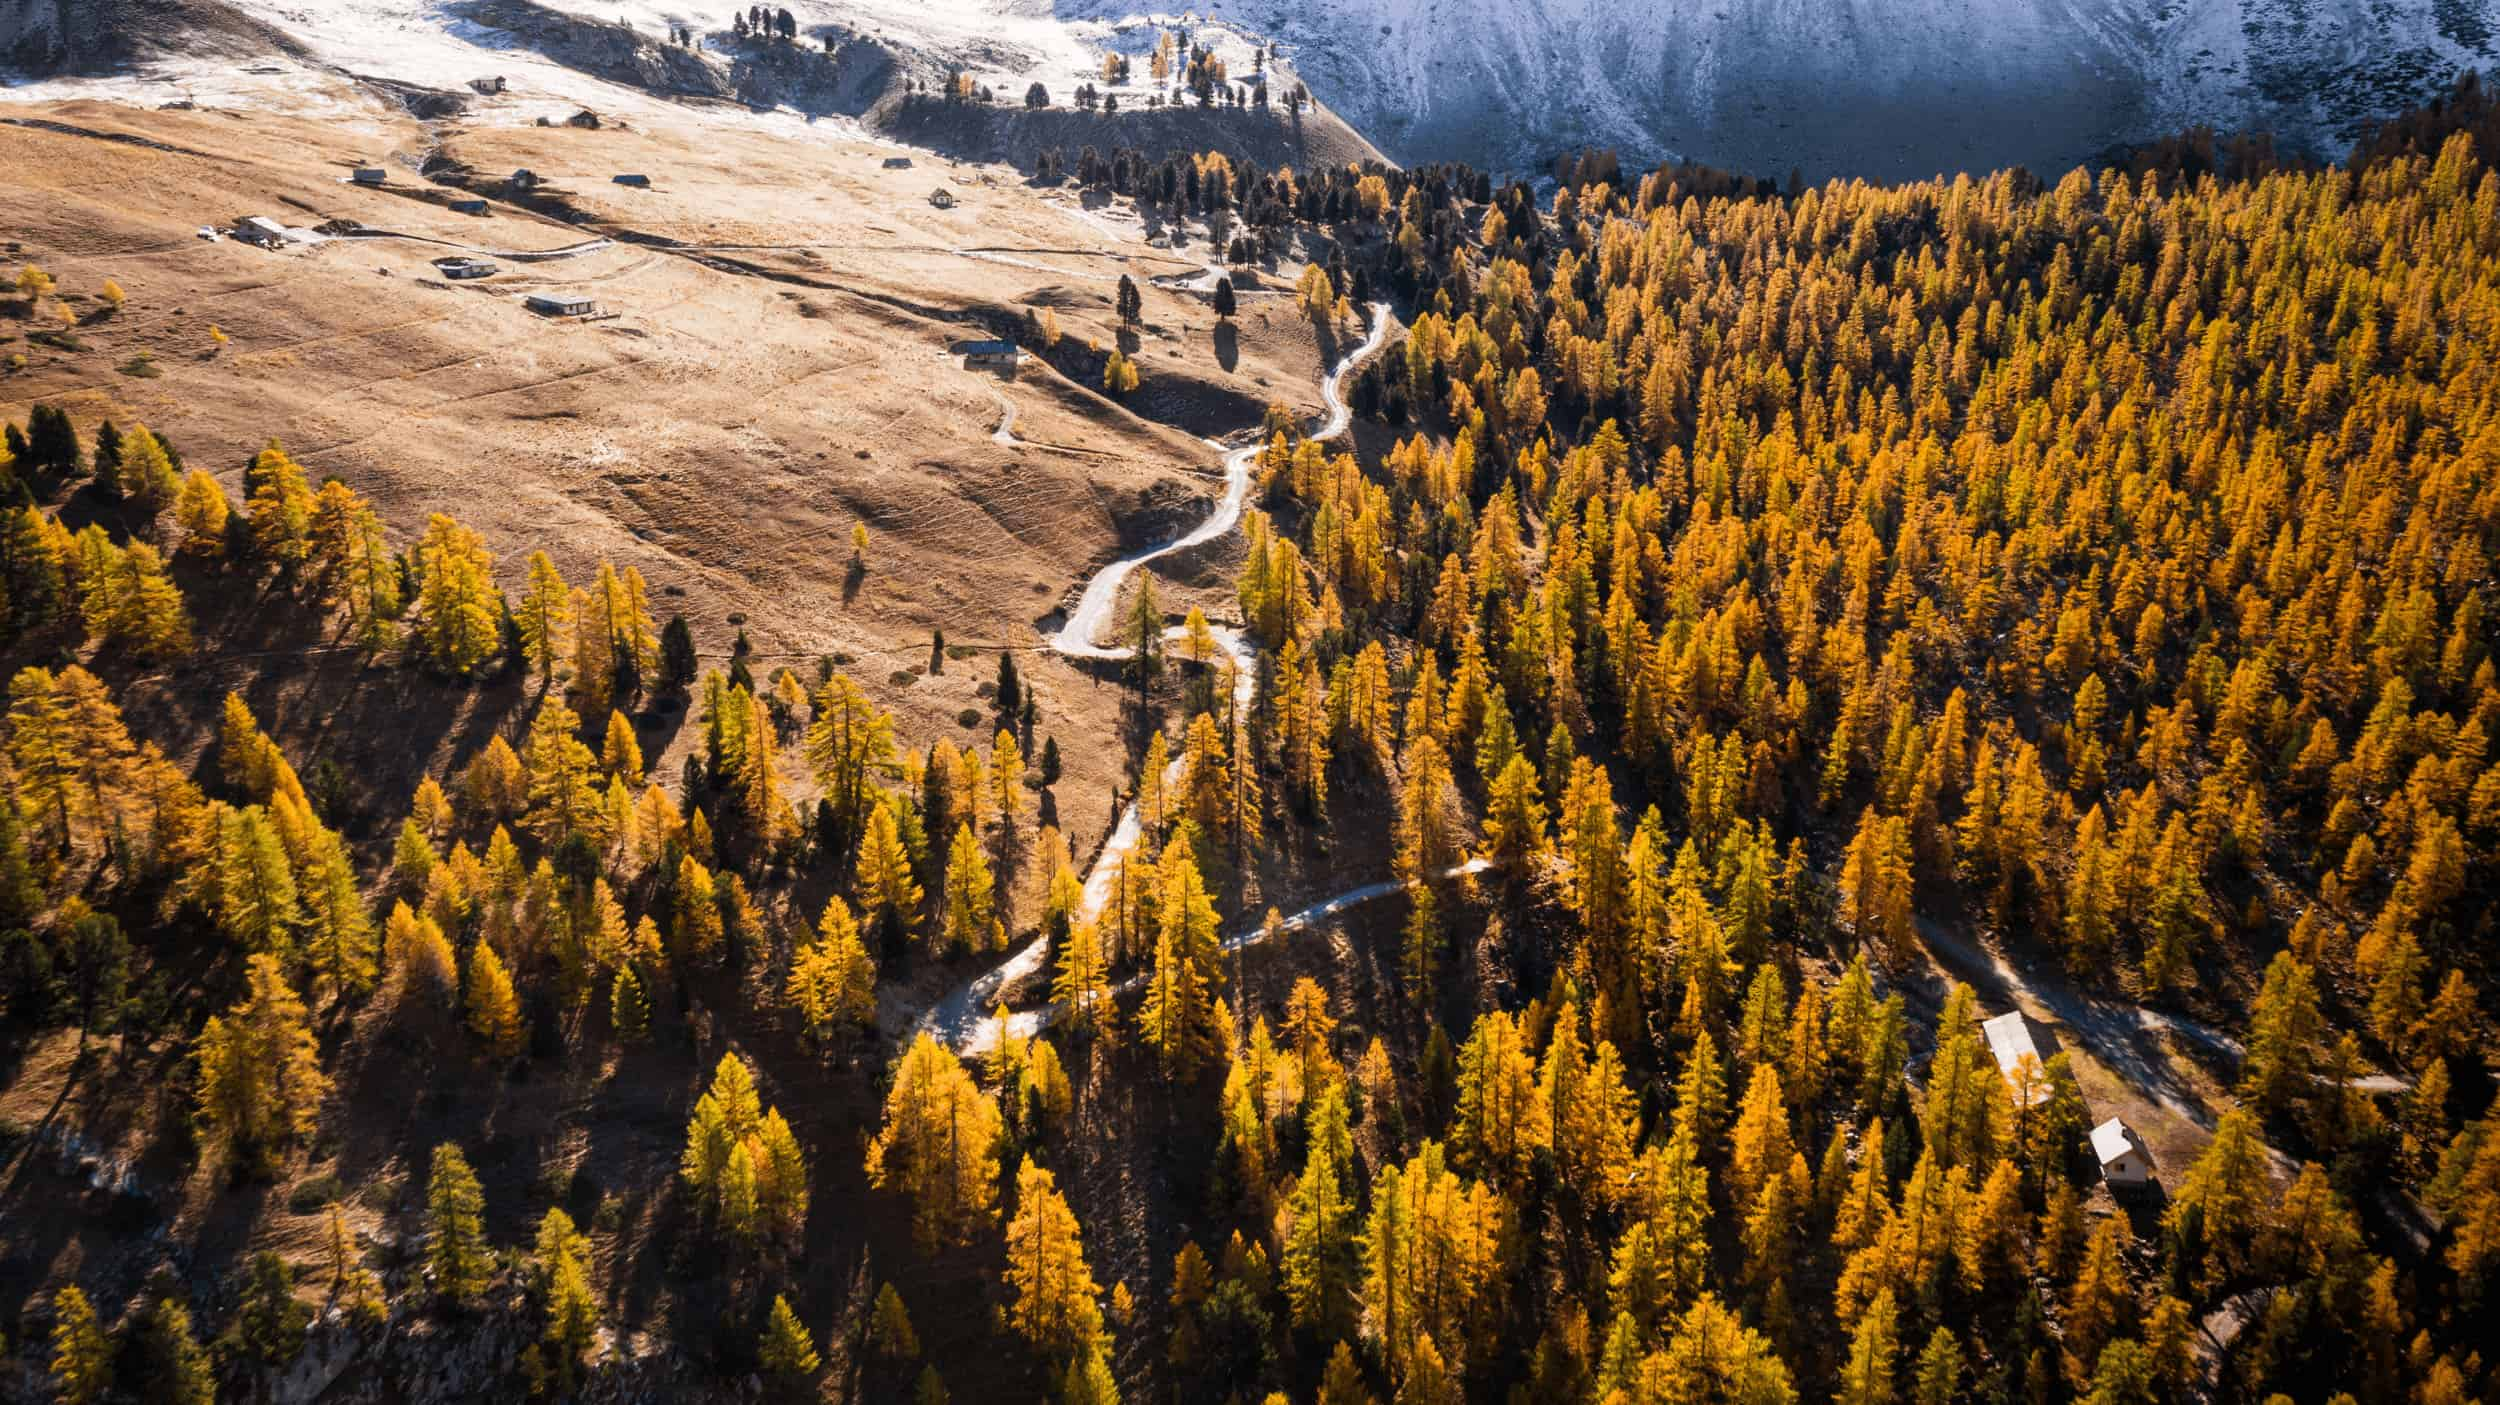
1005 44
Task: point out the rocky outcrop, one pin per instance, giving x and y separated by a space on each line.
618 53
330 1348
847 81
39 37
759 73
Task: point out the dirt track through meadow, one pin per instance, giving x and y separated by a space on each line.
961 1017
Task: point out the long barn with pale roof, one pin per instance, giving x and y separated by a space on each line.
2009 1038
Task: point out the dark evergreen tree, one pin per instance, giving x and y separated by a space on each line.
108 459
51 442
96 954
1010 691
677 661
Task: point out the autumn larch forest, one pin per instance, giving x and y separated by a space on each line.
1753 639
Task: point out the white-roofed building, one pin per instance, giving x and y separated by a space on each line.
2009 1039
2124 1161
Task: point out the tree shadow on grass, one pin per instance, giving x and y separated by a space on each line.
1140 718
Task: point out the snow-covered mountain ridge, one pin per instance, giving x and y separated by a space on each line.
1885 89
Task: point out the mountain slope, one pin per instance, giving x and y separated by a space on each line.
852 62
1878 88
98 36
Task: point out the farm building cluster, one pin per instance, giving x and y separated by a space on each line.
2125 1164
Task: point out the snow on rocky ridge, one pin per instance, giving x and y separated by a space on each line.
1885 89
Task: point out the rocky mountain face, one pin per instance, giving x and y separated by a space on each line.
1886 89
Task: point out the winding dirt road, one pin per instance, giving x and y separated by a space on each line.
2131 1040
1093 608
961 1018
